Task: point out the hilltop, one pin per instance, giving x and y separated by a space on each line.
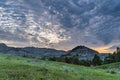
83 52
31 51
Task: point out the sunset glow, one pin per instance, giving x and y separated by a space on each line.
61 26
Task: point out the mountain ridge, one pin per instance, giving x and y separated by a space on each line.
84 53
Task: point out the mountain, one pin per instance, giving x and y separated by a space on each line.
31 51
84 53
4 48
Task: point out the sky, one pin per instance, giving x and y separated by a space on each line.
61 24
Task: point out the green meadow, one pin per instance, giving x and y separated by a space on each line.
19 68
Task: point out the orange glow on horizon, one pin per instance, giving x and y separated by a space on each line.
99 49
103 50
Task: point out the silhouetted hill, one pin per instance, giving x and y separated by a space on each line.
31 51
84 53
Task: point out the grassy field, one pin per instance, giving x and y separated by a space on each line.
18 68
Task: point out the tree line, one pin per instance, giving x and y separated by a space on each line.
111 58
75 60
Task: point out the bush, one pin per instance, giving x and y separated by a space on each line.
112 71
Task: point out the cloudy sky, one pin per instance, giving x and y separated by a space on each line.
61 24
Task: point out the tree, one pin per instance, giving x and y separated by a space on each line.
85 62
96 60
112 58
76 60
53 59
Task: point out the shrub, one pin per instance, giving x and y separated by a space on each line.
112 70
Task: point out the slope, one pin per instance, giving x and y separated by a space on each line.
19 68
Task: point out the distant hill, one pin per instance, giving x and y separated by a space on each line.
31 51
83 52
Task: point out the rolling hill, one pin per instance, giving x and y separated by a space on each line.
19 68
84 53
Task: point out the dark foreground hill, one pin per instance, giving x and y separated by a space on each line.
18 68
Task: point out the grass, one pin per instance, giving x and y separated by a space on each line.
19 68
113 65
111 68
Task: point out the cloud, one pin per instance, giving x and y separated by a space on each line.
60 23
22 25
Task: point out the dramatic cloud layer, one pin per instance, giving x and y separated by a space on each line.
61 24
